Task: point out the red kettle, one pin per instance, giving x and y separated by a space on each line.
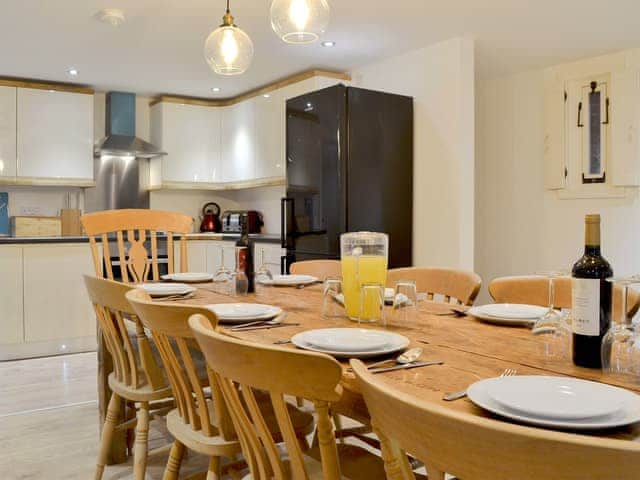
211 218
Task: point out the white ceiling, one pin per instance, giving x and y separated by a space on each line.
159 48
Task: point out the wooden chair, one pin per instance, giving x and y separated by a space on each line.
534 290
282 371
139 226
200 424
478 448
317 268
136 376
455 286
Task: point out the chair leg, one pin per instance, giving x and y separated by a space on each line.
141 442
215 469
111 419
175 460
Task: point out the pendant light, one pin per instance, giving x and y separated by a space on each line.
299 21
228 50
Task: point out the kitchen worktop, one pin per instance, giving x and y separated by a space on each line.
257 237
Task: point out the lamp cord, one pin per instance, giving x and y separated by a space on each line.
228 11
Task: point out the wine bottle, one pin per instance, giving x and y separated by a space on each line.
245 254
590 298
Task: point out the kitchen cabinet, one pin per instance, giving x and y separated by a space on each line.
270 255
54 136
270 135
56 305
215 251
238 141
206 255
190 134
7 132
11 326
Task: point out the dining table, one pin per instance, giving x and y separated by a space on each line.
470 350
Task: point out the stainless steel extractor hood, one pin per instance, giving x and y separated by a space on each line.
121 165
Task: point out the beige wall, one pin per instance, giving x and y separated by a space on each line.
440 77
520 227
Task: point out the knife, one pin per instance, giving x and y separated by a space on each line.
405 366
264 327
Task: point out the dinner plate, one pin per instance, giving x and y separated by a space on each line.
188 277
348 339
290 280
395 343
243 312
557 397
480 313
512 310
166 289
629 412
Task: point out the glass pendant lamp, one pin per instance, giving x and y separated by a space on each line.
228 50
299 21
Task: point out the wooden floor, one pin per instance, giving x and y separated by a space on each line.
49 423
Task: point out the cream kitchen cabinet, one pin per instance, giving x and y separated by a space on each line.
56 305
238 142
269 254
270 135
7 132
190 134
11 325
206 255
54 136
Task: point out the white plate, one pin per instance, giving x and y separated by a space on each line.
395 343
243 312
480 314
557 397
629 413
348 339
166 289
188 277
512 311
291 280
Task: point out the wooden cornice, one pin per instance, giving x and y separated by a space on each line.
45 85
223 102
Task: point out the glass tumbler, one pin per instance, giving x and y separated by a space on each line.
405 303
372 304
331 305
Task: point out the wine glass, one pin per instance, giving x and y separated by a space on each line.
263 276
620 349
223 275
552 326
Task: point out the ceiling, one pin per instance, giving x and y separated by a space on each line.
159 48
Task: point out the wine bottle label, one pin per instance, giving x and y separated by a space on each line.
585 306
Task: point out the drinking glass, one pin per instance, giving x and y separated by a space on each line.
240 277
223 275
621 344
263 276
372 303
364 260
552 326
331 307
405 303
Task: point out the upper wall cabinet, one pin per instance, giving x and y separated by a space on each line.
54 137
238 142
190 134
7 132
591 120
270 135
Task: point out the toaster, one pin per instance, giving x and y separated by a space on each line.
232 221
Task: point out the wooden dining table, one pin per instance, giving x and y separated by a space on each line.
471 350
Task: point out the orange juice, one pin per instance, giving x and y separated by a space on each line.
357 270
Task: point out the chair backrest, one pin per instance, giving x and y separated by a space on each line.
534 290
132 367
139 225
278 371
455 286
478 448
317 268
169 327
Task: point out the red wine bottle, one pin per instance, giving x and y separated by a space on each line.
245 255
590 298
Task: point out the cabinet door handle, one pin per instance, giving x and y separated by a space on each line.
580 125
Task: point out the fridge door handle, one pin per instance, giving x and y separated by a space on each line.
286 219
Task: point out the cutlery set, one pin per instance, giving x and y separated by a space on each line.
449 397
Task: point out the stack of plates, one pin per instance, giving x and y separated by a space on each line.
188 277
351 342
508 313
290 280
159 290
243 312
557 402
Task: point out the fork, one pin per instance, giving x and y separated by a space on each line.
509 372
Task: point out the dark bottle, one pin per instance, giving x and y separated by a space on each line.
590 298
245 254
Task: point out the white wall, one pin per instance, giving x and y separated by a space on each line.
440 77
521 227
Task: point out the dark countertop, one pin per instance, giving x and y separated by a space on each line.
257 237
